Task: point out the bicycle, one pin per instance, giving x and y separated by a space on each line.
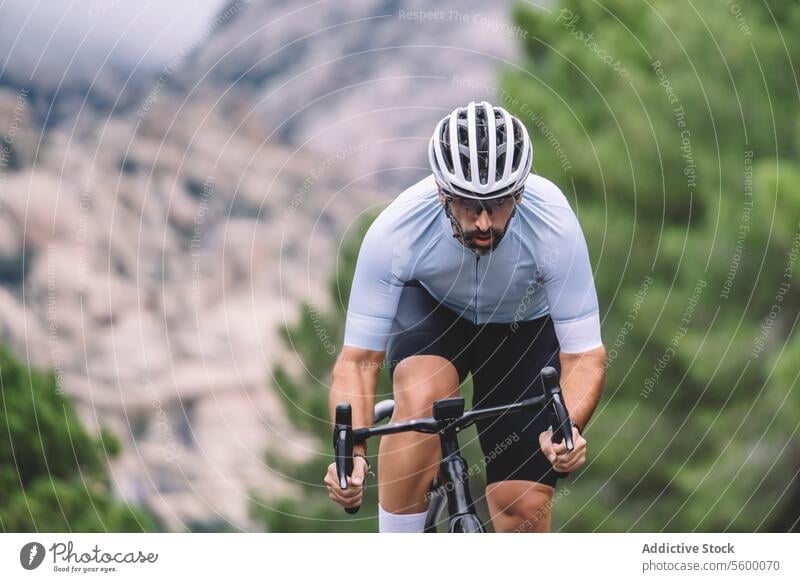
449 418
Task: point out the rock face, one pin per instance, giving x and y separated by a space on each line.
150 257
150 268
330 75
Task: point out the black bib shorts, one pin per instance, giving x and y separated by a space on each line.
504 360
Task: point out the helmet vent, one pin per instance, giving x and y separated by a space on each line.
444 139
482 139
518 145
463 143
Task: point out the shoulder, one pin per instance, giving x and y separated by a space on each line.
539 191
415 206
544 207
403 228
414 199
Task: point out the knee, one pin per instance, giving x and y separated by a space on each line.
521 511
418 382
526 517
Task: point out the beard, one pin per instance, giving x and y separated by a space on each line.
471 236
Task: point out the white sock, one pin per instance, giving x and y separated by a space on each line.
400 523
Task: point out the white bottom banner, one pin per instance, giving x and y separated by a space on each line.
391 557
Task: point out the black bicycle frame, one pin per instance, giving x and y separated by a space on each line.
453 472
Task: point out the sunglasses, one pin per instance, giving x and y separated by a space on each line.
473 207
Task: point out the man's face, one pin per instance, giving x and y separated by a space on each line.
483 222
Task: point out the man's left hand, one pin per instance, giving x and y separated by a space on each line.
564 461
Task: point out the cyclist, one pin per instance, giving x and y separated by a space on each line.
479 268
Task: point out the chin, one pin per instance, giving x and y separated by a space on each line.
482 250
486 250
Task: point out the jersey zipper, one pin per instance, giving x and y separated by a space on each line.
475 296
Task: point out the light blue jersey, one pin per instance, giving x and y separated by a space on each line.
540 266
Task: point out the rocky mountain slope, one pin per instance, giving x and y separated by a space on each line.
150 261
377 72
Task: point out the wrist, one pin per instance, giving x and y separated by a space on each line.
368 471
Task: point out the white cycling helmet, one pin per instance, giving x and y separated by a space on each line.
482 166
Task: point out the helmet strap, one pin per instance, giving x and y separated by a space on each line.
459 232
510 218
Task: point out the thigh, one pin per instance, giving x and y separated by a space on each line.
420 380
508 372
511 449
506 360
424 327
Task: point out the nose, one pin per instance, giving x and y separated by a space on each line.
484 222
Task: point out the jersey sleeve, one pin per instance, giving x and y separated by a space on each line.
377 285
569 286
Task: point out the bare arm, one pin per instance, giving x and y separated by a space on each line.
582 379
355 380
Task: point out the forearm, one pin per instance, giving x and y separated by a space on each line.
582 380
355 381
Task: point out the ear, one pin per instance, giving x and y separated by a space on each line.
441 197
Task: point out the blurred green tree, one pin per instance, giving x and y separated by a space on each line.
53 474
673 129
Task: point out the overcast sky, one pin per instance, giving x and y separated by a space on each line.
41 37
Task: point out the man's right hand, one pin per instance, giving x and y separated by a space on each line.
352 496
